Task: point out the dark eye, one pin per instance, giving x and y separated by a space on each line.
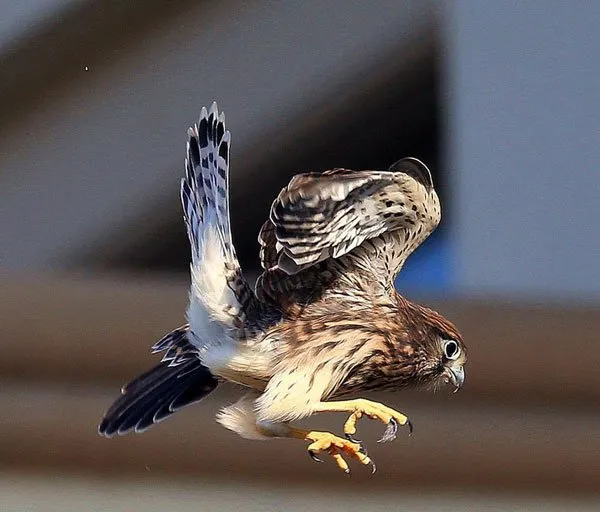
451 349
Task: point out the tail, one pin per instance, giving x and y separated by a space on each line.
221 301
220 298
179 380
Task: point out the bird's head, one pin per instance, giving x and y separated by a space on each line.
448 357
439 354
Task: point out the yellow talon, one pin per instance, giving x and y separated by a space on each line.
375 411
339 460
350 425
334 446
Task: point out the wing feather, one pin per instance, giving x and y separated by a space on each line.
377 218
220 298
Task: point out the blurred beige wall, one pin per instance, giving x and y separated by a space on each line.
97 96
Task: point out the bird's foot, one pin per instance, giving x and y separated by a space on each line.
376 411
336 447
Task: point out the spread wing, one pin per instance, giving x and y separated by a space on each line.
375 218
222 304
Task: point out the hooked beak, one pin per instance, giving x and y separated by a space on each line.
457 376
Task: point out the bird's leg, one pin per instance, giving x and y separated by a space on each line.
321 442
333 445
374 410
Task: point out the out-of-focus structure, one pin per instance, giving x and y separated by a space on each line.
503 104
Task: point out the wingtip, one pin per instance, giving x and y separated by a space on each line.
415 168
205 112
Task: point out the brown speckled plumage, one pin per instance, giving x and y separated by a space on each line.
324 320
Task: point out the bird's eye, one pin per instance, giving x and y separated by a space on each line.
451 349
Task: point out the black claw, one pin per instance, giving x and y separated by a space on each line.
374 468
313 456
410 427
390 432
362 447
352 439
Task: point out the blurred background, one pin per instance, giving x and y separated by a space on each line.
501 100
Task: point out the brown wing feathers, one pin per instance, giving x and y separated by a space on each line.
322 216
318 216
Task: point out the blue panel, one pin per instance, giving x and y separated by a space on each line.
429 269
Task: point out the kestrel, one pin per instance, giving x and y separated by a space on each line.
323 321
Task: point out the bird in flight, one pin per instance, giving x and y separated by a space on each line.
323 322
